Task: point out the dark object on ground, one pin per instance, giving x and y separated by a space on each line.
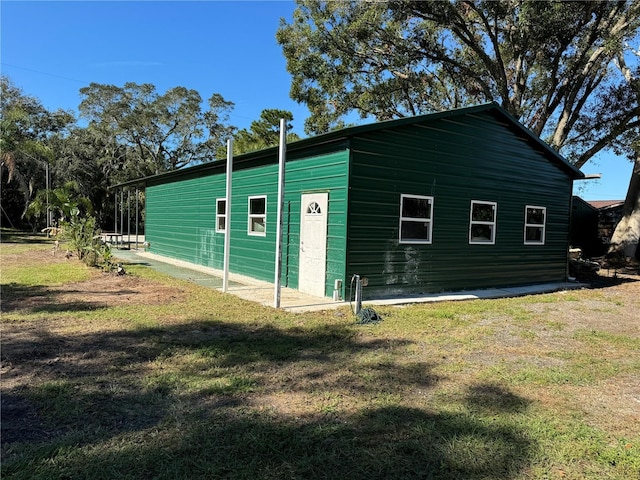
368 315
583 269
620 264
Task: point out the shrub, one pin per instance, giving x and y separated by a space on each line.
85 241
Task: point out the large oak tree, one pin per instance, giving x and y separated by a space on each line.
550 64
160 131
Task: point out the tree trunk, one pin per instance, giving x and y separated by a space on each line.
627 233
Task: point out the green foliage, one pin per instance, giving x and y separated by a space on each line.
60 202
566 70
26 132
158 132
263 133
544 62
85 241
133 131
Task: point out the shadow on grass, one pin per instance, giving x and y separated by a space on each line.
126 263
227 344
8 235
104 413
40 299
385 442
604 281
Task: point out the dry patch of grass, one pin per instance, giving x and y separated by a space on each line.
145 376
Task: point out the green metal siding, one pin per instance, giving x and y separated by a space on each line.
180 219
455 157
455 160
326 173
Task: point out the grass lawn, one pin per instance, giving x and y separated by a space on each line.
145 376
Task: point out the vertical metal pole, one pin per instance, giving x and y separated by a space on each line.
128 218
46 166
121 216
282 154
227 217
358 300
115 213
137 214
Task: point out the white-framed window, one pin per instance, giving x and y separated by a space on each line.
257 216
482 222
535 220
221 215
416 219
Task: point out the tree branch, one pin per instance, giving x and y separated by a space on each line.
606 140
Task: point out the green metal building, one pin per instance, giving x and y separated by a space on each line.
464 199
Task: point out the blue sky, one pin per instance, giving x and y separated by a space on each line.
52 49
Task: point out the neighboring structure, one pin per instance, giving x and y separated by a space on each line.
584 229
609 214
456 200
592 225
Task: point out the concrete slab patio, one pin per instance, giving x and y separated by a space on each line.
294 301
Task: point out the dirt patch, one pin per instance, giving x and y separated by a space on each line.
47 350
611 307
112 289
553 334
99 291
616 405
102 290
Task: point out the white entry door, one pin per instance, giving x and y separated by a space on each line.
313 243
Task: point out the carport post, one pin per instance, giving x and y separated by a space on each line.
137 220
129 218
115 213
227 217
121 217
282 153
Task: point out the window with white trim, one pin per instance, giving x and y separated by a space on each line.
416 218
535 220
482 222
258 216
221 215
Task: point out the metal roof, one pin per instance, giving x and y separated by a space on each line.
600 204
